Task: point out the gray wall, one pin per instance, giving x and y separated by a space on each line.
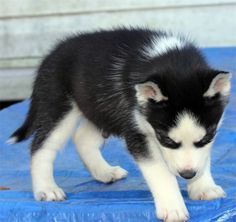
29 28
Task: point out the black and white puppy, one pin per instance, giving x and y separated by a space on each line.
152 88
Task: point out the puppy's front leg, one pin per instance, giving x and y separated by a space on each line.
203 187
163 185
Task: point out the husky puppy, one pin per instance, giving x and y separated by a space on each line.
152 88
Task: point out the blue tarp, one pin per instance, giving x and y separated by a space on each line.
124 201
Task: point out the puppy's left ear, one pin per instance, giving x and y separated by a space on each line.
149 90
219 84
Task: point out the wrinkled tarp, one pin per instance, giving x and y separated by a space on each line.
123 201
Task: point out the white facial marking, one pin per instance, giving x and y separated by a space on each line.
44 186
187 130
187 156
162 44
220 84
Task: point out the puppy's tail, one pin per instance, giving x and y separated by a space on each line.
26 130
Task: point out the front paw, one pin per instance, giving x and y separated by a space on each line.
207 192
53 193
172 211
109 174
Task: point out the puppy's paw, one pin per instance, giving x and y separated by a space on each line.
54 193
209 192
172 211
110 174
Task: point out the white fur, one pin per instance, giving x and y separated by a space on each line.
187 129
204 187
88 139
187 157
44 186
143 125
162 183
12 140
164 187
220 84
162 44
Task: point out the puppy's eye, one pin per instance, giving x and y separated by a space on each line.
166 141
169 143
202 143
205 140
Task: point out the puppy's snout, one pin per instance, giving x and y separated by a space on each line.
187 174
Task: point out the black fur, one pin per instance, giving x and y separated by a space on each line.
98 71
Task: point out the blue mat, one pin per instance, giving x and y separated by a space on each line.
124 201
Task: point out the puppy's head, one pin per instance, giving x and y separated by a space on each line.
185 112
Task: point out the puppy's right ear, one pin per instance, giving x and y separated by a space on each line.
148 90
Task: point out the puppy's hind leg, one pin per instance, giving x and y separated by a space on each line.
49 138
88 139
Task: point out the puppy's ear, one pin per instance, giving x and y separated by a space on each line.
149 90
219 84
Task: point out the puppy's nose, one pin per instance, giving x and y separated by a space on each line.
187 174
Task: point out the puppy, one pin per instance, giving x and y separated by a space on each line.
152 88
